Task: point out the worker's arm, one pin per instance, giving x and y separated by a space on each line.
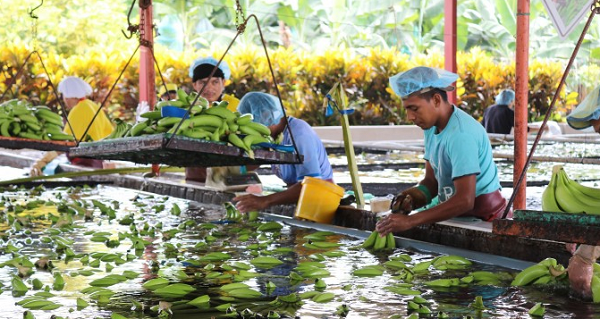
418 196
461 202
247 203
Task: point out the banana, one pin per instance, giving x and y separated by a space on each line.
223 104
588 203
244 119
206 120
482 275
182 96
250 140
390 242
549 203
248 130
196 133
196 109
259 128
61 137
207 128
4 128
544 280
154 115
28 118
530 274
370 241
30 135
569 201
237 141
596 289
33 126
137 129
221 112
538 310
15 128
168 121
380 242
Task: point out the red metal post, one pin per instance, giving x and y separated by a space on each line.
450 41
521 101
147 75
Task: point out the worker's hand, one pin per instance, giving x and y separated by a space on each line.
37 167
249 202
581 270
393 223
408 200
141 109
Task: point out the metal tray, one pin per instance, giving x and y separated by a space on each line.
19 143
182 151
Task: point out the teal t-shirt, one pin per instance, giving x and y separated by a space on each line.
462 148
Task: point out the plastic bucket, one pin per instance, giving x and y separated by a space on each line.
318 200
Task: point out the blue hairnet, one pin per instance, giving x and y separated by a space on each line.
588 110
265 108
212 61
421 77
505 97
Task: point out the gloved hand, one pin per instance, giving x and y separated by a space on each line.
38 166
410 199
141 109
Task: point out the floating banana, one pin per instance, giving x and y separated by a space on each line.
566 195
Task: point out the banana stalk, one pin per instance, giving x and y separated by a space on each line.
127 170
338 92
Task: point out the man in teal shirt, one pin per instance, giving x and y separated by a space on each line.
459 164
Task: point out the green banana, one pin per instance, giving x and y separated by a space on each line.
33 126
223 104
29 135
15 128
224 113
248 130
596 289
544 280
390 242
244 119
450 260
530 274
538 310
237 141
569 201
182 96
137 129
61 137
52 128
154 115
250 140
380 242
206 120
28 118
369 271
484 276
262 129
370 241
196 133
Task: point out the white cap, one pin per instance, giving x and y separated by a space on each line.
74 87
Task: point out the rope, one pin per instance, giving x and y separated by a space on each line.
595 8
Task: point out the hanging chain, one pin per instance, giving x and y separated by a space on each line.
596 7
239 15
34 19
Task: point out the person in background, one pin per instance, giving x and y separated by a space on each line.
459 167
267 110
200 71
168 93
81 111
581 265
500 117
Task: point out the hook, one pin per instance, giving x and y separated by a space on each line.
31 12
131 28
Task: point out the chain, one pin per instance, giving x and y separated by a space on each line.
239 14
34 19
596 6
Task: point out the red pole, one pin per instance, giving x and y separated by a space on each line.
450 41
147 75
521 101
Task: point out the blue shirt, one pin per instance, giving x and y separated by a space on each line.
462 148
315 164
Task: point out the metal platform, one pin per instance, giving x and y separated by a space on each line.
19 143
570 228
181 151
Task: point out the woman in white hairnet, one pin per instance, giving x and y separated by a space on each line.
500 117
74 92
459 168
267 110
585 117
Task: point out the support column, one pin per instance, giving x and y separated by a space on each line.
450 41
521 101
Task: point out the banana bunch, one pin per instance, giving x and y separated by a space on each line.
378 243
20 119
217 124
231 213
566 195
545 272
121 129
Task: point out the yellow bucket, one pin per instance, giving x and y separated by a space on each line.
319 199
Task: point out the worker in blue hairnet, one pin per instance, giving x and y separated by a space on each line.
500 117
267 110
214 91
586 116
459 167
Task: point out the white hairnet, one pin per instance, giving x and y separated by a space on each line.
505 97
74 87
586 111
265 108
420 78
211 61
